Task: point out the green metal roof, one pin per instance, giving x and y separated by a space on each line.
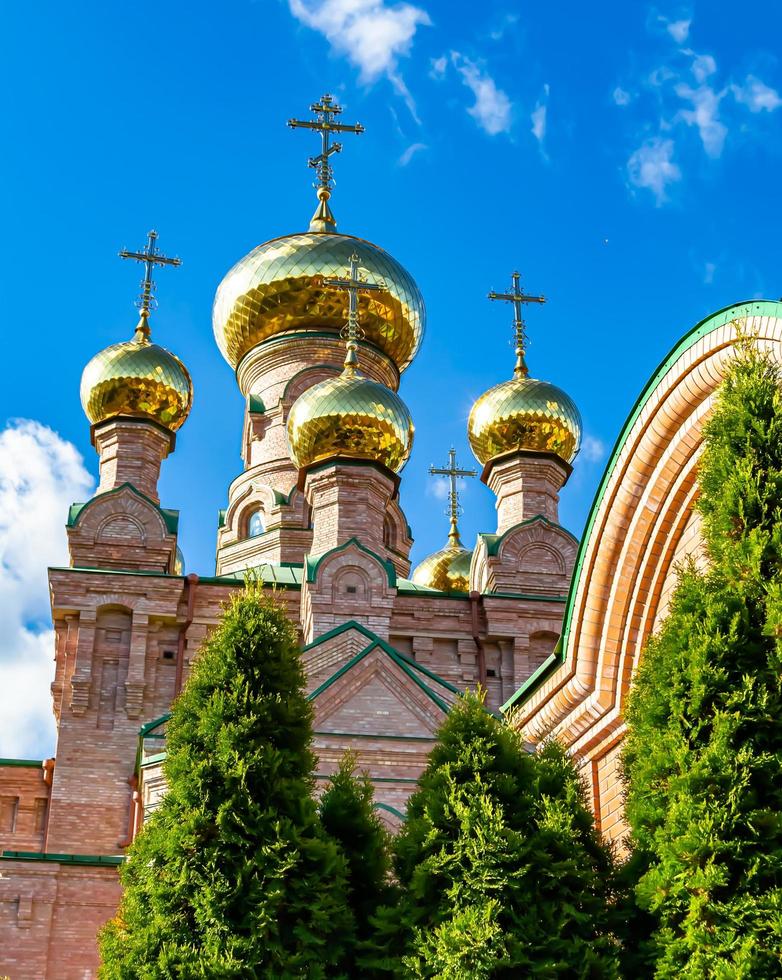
170 517
22 763
714 321
88 860
425 679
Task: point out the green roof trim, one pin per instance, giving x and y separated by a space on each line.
283 575
21 763
150 726
86 570
389 809
153 760
86 860
763 307
170 517
255 405
221 517
312 562
406 586
494 541
410 667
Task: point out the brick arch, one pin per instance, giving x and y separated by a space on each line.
640 526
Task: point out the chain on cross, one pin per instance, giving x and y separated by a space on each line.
518 297
454 474
151 256
353 284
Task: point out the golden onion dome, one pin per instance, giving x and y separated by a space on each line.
278 288
138 379
447 570
524 414
350 416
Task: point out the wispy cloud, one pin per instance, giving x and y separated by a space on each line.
410 152
652 167
538 117
621 96
686 92
593 450
709 268
756 95
40 476
371 34
492 109
499 32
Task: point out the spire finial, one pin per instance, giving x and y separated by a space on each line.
326 111
453 473
518 297
353 284
151 256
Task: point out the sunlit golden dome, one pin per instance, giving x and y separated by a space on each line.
138 379
524 414
279 288
350 417
447 570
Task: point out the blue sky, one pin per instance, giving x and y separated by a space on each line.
624 156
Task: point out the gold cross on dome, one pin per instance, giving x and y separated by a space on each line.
518 297
151 256
325 111
353 284
454 473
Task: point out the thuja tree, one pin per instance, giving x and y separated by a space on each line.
349 816
703 756
234 875
501 872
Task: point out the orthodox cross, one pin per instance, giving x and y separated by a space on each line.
326 110
518 297
151 256
353 285
454 474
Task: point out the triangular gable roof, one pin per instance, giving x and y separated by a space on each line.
436 688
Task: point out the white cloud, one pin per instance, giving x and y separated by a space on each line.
592 449
507 22
438 67
678 29
538 117
369 33
439 488
704 114
492 108
410 152
652 167
709 268
756 95
40 476
621 96
703 66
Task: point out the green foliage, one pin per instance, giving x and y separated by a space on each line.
501 871
703 757
233 876
348 815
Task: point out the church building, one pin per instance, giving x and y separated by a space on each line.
319 327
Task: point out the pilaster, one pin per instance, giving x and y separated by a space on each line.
131 451
526 485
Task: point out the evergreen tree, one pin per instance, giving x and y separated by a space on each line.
233 876
348 815
703 757
502 874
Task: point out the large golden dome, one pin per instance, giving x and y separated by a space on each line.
278 288
524 414
350 416
447 570
138 379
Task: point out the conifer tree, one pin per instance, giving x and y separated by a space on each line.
703 757
502 874
233 876
348 815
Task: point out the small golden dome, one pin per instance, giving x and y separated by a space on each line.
447 570
278 288
350 416
139 379
524 414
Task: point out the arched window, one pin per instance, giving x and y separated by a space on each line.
255 525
